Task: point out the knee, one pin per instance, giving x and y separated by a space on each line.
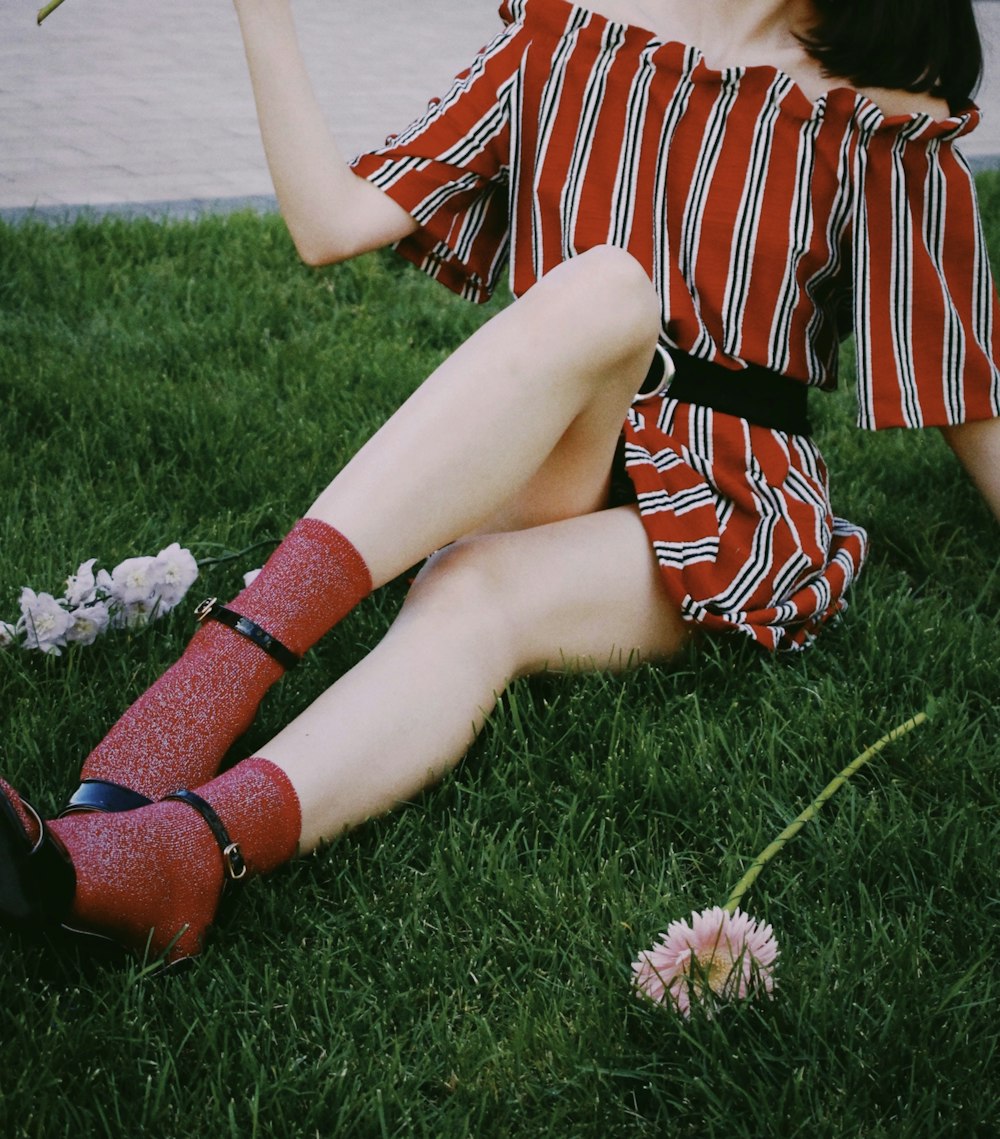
617 298
463 592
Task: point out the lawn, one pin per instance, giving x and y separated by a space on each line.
462 968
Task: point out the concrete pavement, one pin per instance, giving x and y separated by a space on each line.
132 102
142 107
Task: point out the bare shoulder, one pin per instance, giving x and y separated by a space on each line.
893 103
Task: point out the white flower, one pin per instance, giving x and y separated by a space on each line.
142 589
135 592
173 572
81 587
251 575
43 621
132 583
88 623
135 615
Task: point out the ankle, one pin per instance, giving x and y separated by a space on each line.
149 879
152 878
312 551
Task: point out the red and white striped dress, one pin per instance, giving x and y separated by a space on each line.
760 217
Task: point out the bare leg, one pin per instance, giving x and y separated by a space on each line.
578 594
581 593
521 420
546 384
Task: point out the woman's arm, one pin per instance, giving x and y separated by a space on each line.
978 447
331 213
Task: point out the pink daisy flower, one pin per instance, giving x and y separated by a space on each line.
718 957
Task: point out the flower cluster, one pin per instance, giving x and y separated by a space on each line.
137 591
719 957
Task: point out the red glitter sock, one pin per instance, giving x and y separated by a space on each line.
30 824
177 732
154 876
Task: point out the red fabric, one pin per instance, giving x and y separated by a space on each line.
925 304
26 819
465 246
153 877
762 555
757 212
763 219
178 731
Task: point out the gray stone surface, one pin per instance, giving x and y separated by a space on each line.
146 107
983 146
131 101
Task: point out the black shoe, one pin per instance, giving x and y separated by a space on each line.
37 880
100 795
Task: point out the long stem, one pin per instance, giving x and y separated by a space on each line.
222 559
812 810
48 9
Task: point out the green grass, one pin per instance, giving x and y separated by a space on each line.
462 968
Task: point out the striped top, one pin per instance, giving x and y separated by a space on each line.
769 223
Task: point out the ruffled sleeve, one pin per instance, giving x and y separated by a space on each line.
449 171
926 315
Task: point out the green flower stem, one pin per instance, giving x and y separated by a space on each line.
223 558
812 810
48 9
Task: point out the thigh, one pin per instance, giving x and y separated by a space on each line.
574 479
581 593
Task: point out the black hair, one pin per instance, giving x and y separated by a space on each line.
908 45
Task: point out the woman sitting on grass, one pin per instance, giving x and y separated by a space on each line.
618 459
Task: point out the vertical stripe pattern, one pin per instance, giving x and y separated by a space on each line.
761 217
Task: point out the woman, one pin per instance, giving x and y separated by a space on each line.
722 207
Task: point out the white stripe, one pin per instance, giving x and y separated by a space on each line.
627 189
900 299
862 295
742 257
551 97
800 232
590 110
694 212
985 296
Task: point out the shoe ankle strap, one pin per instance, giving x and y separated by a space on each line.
232 859
211 610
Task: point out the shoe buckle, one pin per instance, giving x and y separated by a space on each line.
204 610
236 868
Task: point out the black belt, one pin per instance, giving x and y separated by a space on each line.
753 393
